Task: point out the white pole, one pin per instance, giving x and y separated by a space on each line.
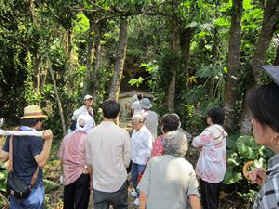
21 133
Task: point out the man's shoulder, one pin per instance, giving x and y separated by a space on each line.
152 113
103 129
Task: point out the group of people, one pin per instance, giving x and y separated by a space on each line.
97 157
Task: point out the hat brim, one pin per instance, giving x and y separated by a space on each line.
33 116
273 72
146 107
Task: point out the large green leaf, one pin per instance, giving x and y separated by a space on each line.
232 176
233 159
50 186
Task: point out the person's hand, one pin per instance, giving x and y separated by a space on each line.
17 128
47 135
91 184
258 175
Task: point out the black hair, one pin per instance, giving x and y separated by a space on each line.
140 96
73 125
30 122
263 101
111 109
217 115
169 122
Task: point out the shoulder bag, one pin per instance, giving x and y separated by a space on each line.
15 186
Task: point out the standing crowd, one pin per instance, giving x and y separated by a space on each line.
97 157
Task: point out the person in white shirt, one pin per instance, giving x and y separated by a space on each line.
136 108
83 110
150 117
141 149
87 107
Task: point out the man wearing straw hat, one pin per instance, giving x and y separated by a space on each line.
29 155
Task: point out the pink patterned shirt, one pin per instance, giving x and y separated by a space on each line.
211 166
73 156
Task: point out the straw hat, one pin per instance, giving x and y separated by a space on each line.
33 111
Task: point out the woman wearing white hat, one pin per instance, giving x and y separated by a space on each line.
75 168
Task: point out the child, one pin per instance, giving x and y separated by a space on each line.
211 166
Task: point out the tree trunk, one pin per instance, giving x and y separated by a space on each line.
37 61
43 79
270 21
175 48
97 67
271 16
119 62
185 42
58 103
230 94
276 61
90 55
70 45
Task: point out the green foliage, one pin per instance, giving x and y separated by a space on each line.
239 152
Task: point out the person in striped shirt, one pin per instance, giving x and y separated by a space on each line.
264 105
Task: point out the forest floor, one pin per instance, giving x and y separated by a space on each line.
54 200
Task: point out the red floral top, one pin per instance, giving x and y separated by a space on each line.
158 148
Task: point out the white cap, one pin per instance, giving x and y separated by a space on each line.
138 117
87 96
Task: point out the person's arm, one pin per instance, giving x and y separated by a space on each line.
143 200
4 156
90 167
127 150
43 156
194 201
149 145
206 137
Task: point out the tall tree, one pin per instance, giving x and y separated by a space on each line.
175 48
276 61
230 94
269 26
119 62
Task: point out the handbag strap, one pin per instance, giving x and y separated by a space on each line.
10 167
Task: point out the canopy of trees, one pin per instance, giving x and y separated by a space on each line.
191 54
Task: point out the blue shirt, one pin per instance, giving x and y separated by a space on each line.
25 148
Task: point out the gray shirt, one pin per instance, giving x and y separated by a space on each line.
268 197
167 182
151 122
